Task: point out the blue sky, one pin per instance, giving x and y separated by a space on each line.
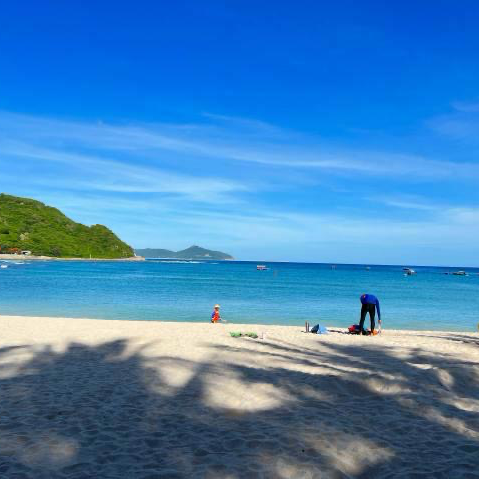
300 131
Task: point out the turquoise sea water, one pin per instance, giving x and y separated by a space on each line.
287 293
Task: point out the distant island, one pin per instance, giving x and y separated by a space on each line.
193 252
29 227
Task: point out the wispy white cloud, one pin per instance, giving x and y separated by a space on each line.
89 172
466 106
311 232
457 127
255 142
247 126
408 202
461 124
465 216
410 205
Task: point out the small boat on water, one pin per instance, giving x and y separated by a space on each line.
4 266
261 267
459 273
409 271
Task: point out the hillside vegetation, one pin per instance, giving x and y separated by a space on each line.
27 224
193 252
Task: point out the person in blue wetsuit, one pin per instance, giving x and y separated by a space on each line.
369 304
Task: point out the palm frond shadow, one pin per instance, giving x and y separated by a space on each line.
107 411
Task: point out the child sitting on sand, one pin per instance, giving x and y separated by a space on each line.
215 315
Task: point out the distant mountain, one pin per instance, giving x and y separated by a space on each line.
26 224
193 252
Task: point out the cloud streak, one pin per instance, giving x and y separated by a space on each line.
462 124
236 140
98 173
468 107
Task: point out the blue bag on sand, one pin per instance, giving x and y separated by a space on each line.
322 330
318 329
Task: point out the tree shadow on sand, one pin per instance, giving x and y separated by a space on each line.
459 338
109 411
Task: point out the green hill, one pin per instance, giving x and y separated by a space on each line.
193 252
27 224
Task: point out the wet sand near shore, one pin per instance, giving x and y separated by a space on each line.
114 399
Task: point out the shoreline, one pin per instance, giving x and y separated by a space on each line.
18 257
142 258
331 328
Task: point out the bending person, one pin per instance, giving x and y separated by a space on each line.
369 304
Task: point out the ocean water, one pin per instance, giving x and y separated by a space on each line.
287 293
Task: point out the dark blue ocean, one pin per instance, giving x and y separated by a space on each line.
287 293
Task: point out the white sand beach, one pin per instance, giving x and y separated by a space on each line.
132 399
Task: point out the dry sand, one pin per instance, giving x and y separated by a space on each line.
123 399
